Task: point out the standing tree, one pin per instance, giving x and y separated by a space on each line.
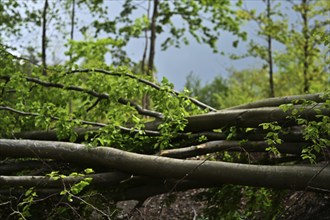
306 48
303 63
269 30
44 37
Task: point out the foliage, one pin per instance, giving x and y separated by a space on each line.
240 87
315 131
30 194
210 92
218 13
243 203
269 30
303 64
272 137
245 86
93 52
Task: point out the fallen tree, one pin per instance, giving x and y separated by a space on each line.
216 172
103 141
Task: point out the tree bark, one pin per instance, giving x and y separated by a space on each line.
282 177
150 69
304 15
273 102
44 38
153 39
219 146
244 118
108 179
270 54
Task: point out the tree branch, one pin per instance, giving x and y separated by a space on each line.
97 124
101 179
283 177
272 102
218 146
146 82
247 118
123 101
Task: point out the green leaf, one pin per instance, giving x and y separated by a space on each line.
89 171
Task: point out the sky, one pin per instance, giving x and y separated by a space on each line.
176 63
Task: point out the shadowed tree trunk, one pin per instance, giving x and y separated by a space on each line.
152 49
306 55
270 55
44 38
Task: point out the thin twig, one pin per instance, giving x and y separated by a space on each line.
89 204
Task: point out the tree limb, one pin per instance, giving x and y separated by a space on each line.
218 146
246 118
146 82
123 101
100 179
283 177
272 102
124 129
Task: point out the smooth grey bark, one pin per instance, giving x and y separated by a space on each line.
270 54
247 118
272 102
282 177
218 146
108 179
50 135
44 38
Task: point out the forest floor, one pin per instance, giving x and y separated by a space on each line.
184 205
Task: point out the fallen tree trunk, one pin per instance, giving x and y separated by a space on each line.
282 177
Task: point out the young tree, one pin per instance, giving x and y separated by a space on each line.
306 54
272 25
303 63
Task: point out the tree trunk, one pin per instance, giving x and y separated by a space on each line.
281 177
44 38
150 69
304 15
270 54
